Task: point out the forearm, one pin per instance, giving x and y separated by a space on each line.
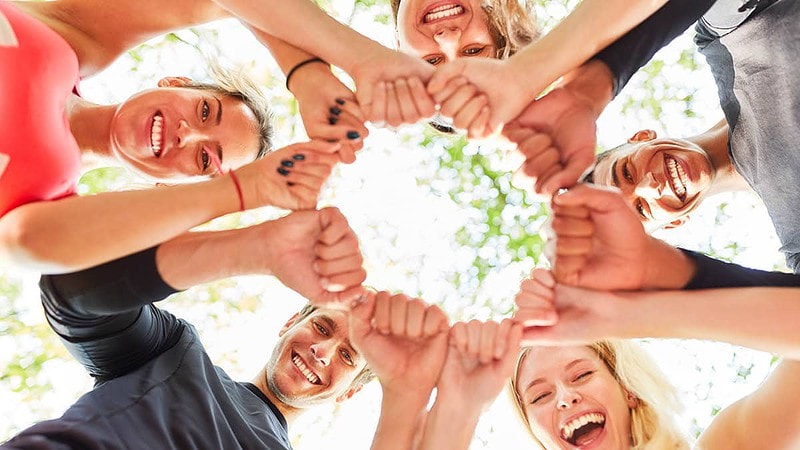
592 83
450 423
301 23
401 419
760 318
79 232
632 51
591 26
711 273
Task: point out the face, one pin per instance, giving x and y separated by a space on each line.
572 401
663 179
314 361
443 30
171 132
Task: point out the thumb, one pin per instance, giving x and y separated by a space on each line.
443 75
361 312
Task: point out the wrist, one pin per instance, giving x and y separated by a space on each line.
592 84
300 71
669 268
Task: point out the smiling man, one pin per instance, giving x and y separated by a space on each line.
155 384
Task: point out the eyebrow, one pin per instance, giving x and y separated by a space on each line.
567 367
219 111
614 176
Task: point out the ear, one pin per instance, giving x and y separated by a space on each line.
174 82
677 222
632 400
642 136
289 323
349 393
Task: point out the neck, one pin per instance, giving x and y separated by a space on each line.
90 124
715 143
289 413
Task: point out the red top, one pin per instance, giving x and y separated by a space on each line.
39 158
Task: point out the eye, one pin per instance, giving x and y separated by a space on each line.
205 160
584 375
347 356
321 329
473 51
626 172
540 397
433 59
205 111
639 205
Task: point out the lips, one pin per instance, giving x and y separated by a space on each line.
157 134
442 12
298 362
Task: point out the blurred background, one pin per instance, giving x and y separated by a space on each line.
437 218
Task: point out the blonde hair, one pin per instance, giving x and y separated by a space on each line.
511 23
653 425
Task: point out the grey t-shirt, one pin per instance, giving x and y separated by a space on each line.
755 66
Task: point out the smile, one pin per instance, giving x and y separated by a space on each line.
157 134
308 373
443 12
677 177
583 429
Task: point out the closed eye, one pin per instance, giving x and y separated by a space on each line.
540 397
626 171
584 375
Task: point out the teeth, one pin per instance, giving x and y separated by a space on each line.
443 11
574 424
678 177
310 376
156 136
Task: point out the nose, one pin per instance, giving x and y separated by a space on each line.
322 353
448 39
186 135
648 187
567 398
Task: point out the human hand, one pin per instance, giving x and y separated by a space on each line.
329 109
601 244
290 177
556 314
390 87
315 253
480 358
487 78
403 340
557 136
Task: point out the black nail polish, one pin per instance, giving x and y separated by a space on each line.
353 135
298 157
287 163
283 171
335 110
340 101
333 120
289 183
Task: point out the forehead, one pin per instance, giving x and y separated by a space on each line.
543 361
604 166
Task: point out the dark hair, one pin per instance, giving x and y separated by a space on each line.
589 177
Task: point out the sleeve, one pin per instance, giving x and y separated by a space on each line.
712 273
633 50
105 317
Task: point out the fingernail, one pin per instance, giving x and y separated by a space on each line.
283 171
299 157
287 163
335 110
333 120
340 101
353 135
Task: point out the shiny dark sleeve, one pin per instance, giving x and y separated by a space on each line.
633 50
105 315
712 273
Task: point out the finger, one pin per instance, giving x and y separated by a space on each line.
568 226
415 318
351 106
313 174
327 268
345 131
501 343
594 197
342 282
379 104
473 338
574 167
305 196
442 75
448 89
543 316
315 145
398 312
518 135
479 128
567 269
382 313
540 161
393 115
333 226
435 321
488 331
543 277
347 155
541 180
347 245
575 212
531 145
424 102
470 111
573 246
533 294
405 101
509 358
342 301
360 316
458 336
453 104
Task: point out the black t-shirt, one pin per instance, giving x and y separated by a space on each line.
156 386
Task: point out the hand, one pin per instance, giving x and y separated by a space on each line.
403 340
601 244
290 177
315 253
491 78
390 87
557 136
480 358
465 106
555 314
329 109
